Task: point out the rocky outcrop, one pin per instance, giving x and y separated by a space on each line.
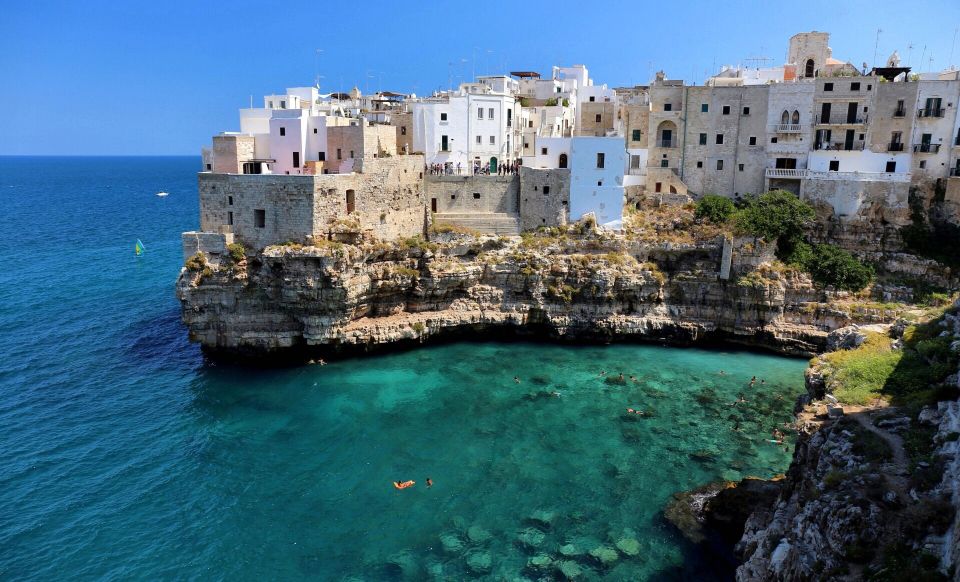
343 298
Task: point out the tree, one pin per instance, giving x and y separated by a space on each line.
777 215
716 209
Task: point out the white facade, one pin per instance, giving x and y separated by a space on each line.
863 161
596 179
466 128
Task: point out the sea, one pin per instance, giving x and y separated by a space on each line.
126 455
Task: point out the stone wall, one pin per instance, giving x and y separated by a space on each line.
230 152
589 126
213 245
403 122
544 197
473 194
388 202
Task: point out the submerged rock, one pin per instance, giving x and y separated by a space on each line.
628 546
477 534
530 538
540 562
569 569
451 543
479 562
542 518
570 551
605 555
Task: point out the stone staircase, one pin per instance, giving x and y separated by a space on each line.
486 222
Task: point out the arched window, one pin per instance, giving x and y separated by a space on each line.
796 117
563 160
809 70
785 117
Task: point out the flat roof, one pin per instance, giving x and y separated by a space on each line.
525 74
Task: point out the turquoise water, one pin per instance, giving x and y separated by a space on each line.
124 456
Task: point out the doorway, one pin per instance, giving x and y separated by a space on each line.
433 205
563 161
351 202
493 165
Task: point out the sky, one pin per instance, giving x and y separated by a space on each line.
160 78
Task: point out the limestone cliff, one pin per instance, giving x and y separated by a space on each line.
341 298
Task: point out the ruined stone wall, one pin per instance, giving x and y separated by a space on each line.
544 197
473 194
387 194
230 152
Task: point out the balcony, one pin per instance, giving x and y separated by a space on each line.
900 113
666 143
894 147
637 171
926 148
841 120
838 146
930 112
796 174
787 128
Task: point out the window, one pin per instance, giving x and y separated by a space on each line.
599 117
339 154
808 69
796 117
403 130
896 137
664 163
479 140
773 140
600 157
599 182
283 131
479 112
719 138
719 165
543 151
753 140
230 200
283 105
923 164
634 162
861 137
351 154
703 139
726 110
476 196
490 113
230 217
592 99
322 156
546 190
891 167
835 165
314 130
704 107
209 167
259 218
271 105
854 86
493 140
636 135
828 86
740 167
699 164
869 87
443 117
668 106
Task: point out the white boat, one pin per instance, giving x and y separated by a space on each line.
163 194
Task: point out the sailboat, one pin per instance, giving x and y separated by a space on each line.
138 248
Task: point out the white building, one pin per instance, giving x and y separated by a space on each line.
473 126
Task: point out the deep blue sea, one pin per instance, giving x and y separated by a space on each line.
125 456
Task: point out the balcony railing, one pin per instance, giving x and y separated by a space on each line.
930 112
926 148
900 113
638 171
786 173
838 146
666 143
841 119
895 147
787 128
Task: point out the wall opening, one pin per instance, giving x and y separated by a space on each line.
808 70
351 201
563 161
260 218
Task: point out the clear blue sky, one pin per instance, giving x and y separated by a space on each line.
161 77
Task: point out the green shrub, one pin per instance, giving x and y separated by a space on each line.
237 252
551 102
418 326
775 215
716 209
196 262
833 266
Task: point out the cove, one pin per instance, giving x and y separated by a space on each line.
288 473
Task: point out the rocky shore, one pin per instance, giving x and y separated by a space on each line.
307 302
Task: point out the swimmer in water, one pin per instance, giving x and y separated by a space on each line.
429 482
516 379
602 373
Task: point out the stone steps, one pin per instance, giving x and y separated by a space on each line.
486 222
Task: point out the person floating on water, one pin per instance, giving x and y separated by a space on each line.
602 373
429 482
403 484
620 377
516 379
753 381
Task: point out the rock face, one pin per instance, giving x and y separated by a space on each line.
347 298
